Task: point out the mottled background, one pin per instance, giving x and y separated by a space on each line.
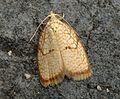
18 21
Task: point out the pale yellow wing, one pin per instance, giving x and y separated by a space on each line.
74 57
49 57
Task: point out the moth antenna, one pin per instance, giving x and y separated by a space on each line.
38 28
34 33
63 15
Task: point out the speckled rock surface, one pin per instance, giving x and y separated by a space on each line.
18 21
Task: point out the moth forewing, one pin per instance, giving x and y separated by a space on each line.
60 52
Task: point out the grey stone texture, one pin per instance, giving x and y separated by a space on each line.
96 21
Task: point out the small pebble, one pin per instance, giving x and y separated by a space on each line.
99 88
108 90
27 76
10 53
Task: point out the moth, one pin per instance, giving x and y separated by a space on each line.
60 52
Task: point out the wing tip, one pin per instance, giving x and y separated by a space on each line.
82 76
78 75
52 81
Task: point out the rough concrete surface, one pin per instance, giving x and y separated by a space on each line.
18 21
